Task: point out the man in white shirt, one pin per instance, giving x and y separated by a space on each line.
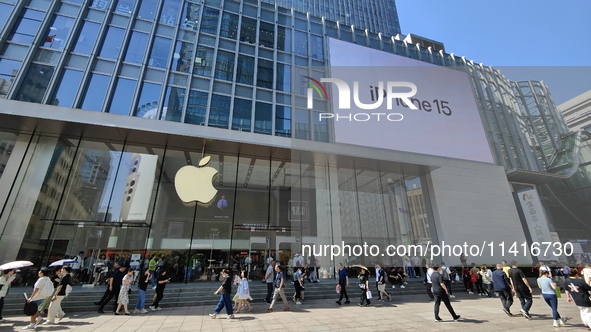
269 278
428 282
445 272
587 273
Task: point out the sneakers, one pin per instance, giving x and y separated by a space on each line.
347 302
457 318
402 286
556 323
270 309
471 293
135 311
437 320
143 311
152 308
287 309
507 312
231 316
393 286
159 308
213 315
29 327
561 322
524 314
61 316
337 302
452 296
154 288
298 303
47 323
38 321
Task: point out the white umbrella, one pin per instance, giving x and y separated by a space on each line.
15 265
62 262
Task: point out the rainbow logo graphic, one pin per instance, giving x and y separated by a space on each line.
316 85
527 197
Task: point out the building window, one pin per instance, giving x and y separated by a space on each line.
263 117
125 7
123 97
242 114
160 52
284 39
173 104
248 30
283 121
219 111
170 12
112 43
58 32
148 9
100 4
267 35
245 70
209 22
196 108
224 67
8 71
35 83
317 46
181 58
265 74
203 61
301 43
229 27
68 87
320 128
190 17
302 124
26 26
87 38
283 78
137 47
148 104
95 94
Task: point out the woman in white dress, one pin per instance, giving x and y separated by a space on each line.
123 299
243 293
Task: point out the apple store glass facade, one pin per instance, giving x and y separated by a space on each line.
117 199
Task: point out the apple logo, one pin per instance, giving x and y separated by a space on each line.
195 183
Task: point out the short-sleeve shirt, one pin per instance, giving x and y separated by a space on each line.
545 283
517 276
278 279
343 275
117 278
579 290
160 286
437 279
66 280
142 284
152 265
270 273
227 285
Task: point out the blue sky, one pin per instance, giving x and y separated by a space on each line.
525 39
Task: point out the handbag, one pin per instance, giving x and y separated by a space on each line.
369 296
558 294
30 308
362 286
338 289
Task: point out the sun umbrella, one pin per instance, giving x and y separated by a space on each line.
361 266
62 262
15 265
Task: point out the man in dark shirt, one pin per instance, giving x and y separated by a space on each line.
279 286
441 294
522 289
343 282
502 285
114 288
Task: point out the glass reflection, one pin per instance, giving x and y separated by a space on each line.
219 112
35 83
87 38
148 9
8 71
190 18
112 43
124 7
245 69
182 56
26 26
263 118
148 102
123 96
224 67
7 142
209 22
137 47
170 12
242 114
68 88
174 99
229 27
283 121
100 4
203 61
196 108
95 94
5 10
58 33
160 52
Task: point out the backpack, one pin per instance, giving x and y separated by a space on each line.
47 289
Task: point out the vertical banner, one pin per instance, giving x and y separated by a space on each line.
537 222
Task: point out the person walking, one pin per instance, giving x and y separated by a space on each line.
486 275
298 285
467 278
55 307
445 272
224 290
163 279
142 286
244 293
578 290
343 283
381 283
279 289
152 265
502 285
43 289
364 285
441 293
586 274
548 288
269 277
428 282
522 289
114 288
6 280
123 298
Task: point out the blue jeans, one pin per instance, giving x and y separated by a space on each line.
189 274
552 301
224 302
141 300
410 271
153 280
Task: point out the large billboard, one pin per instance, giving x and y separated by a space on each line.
388 101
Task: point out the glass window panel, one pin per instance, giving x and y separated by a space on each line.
301 24
174 98
137 47
209 22
35 83
148 103
283 121
8 71
87 38
248 30
317 46
100 4
5 10
95 94
181 58
121 20
68 87
224 68
263 118
233 6
242 114
196 108
283 78
112 43
250 11
302 123
160 52
203 61
26 26
284 39
219 111
301 43
125 6
320 128
190 18
123 96
267 35
265 74
245 69
170 12
229 27
148 9
15 51
284 20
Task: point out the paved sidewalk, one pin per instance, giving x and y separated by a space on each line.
403 313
